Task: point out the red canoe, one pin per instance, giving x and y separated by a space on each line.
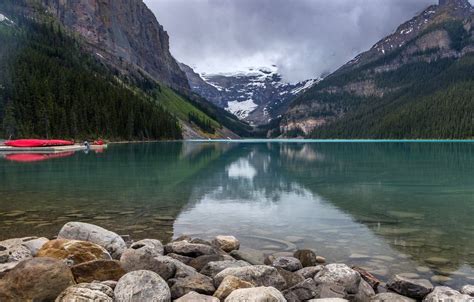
35 143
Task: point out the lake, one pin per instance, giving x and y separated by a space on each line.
390 207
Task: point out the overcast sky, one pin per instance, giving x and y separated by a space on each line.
304 38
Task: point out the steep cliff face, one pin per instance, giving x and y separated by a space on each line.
365 95
124 33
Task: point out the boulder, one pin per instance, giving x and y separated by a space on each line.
390 297
195 283
413 288
306 257
73 251
228 285
195 297
260 275
87 292
112 242
310 271
110 283
365 292
184 259
98 270
138 286
291 279
37 279
302 291
14 250
35 245
468 290
444 293
290 264
201 261
189 249
226 243
258 294
339 274
253 257
332 291
213 268
182 270
144 259
153 246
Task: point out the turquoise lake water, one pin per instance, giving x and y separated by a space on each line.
390 207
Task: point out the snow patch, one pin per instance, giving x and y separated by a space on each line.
308 84
241 109
4 18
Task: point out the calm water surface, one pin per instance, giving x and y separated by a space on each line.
391 207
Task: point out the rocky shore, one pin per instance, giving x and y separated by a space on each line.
89 263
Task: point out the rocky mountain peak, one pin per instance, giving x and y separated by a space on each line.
455 3
124 33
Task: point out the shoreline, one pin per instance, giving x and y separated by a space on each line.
87 261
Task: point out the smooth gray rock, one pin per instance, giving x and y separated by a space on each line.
444 293
339 274
303 291
413 288
14 250
365 292
290 264
213 268
260 275
138 286
468 290
189 249
87 292
310 271
155 247
391 297
257 294
253 257
35 245
111 241
145 259
195 283
195 297
182 270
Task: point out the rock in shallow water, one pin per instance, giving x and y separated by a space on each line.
74 251
413 288
112 242
141 286
228 285
258 294
306 257
444 293
260 275
227 243
37 279
87 292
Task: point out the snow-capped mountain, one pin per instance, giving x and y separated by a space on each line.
256 95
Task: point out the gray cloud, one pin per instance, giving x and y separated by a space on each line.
304 38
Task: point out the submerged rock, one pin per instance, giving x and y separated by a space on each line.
413 288
228 285
87 292
306 257
227 243
74 251
258 294
141 286
260 275
37 279
112 242
444 293
251 256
